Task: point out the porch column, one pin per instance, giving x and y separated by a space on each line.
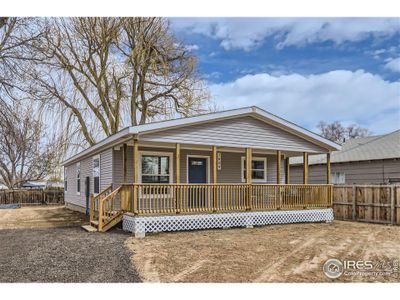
328 168
178 163
177 199
135 175
249 158
124 160
214 188
287 170
278 166
214 157
305 168
135 161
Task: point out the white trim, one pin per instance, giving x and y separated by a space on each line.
200 156
264 159
78 164
171 164
93 158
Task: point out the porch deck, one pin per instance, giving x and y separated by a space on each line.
195 199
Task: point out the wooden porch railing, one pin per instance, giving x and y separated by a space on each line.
155 199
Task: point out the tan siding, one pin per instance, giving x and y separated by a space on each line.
239 132
374 172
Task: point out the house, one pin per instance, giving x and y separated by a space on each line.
215 170
42 184
368 160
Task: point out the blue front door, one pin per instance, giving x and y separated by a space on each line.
197 170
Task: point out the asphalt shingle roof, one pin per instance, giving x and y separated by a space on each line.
369 148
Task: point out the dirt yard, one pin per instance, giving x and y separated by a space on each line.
46 244
39 217
278 253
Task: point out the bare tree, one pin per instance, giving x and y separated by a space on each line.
338 133
16 36
113 72
26 152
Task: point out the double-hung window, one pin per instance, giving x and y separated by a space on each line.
259 169
338 178
78 178
96 174
156 168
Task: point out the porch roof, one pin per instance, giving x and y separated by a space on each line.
253 111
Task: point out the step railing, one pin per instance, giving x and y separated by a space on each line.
94 203
109 208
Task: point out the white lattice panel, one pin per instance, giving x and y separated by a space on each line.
141 224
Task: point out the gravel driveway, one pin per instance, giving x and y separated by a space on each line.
67 254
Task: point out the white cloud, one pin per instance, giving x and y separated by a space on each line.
358 97
248 33
393 64
193 47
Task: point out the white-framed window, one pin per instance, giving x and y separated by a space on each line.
96 174
78 178
155 167
338 178
65 179
259 169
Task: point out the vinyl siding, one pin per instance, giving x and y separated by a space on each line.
369 172
230 165
106 177
238 132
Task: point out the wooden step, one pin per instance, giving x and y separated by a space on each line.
95 223
89 228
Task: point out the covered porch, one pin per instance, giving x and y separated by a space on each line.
158 185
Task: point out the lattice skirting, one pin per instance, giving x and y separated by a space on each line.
142 224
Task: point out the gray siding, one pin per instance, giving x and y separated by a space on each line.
239 132
230 165
106 177
373 172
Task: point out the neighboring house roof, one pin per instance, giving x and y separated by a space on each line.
42 184
385 146
247 111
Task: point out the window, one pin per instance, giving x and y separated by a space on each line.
65 179
259 169
96 174
338 178
156 168
78 178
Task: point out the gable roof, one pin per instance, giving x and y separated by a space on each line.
385 146
210 117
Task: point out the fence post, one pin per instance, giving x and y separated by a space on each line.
354 196
392 206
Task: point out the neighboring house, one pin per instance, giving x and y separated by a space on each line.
369 160
188 169
42 184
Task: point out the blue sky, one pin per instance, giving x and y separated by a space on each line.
303 69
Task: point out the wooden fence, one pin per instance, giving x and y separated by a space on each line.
367 203
32 196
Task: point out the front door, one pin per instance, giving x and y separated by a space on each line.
197 169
